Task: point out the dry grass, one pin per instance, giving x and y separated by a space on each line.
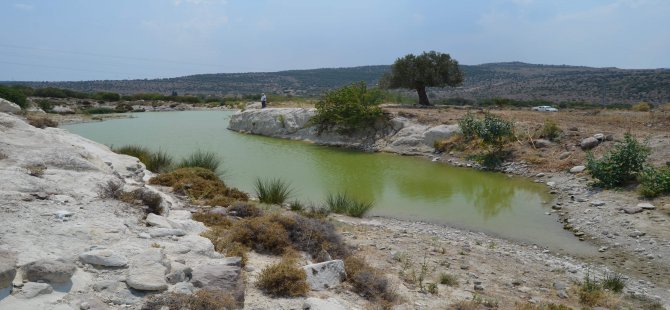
201 300
369 282
41 121
200 186
263 234
283 279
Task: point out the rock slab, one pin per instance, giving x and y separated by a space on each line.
54 271
8 106
147 271
106 258
7 268
589 143
224 276
323 276
33 289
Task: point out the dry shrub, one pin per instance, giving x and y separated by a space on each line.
201 300
313 235
244 209
369 282
448 144
200 185
263 234
42 122
550 306
142 196
36 170
642 107
110 189
212 219
218 236
283 279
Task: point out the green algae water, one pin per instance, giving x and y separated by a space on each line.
401 187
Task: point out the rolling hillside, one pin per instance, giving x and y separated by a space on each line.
513 80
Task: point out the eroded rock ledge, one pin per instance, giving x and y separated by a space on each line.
400 135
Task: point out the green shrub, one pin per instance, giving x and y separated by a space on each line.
495 131
106 96
348 109
620 165
344 204
550 131
273 191
654 182
642 107
614 282
469 126
14 94
283 279
45 105
202 159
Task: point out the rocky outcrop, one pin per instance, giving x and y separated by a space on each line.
53 271
147 271
8 106
397 135
323 276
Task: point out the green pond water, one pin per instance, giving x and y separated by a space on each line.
402 187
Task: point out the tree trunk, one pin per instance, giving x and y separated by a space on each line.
423 98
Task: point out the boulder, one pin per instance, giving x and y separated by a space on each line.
323 276
322 304
165 232
564 155
61 109
54 271
542 143
224 276
589 143
577 169
632 210
599 136
103 257
158 221
646 206
438 133
182 288
8 106
7 268
33 289
178 273
147 271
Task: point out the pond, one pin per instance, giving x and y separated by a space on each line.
401 187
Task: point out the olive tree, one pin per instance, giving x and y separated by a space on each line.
430 69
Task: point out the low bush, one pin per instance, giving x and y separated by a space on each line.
114 190
469 125
344 204
620 165
284 279
654 182
642 107
41 121
201 159
368 282
273 191
493 132
201 185
313 235
201 300
262 234
213 219
244 209
550 131
448 279
348 109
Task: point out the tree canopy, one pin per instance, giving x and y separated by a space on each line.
430 69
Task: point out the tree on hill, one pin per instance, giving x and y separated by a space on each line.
430 69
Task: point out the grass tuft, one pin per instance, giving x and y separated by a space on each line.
344 204
201 159
614 282
159 162
273 191
448 279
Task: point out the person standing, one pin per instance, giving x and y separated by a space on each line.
263 101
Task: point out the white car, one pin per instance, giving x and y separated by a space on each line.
545 108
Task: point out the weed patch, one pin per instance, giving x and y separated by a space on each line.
368 282
201 300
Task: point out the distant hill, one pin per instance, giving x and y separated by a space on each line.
514 80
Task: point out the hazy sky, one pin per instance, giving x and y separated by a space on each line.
127 39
